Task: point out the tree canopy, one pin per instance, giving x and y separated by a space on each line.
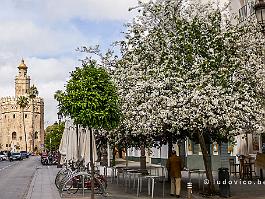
187 69
91 98
185 66
53 135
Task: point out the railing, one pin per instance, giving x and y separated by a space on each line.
246 11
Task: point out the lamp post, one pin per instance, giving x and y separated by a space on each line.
60 117
259 8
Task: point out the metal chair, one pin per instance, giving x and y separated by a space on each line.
233 167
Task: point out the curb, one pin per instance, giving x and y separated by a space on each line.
32 182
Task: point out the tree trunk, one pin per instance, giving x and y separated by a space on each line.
113 156
142 158
169 151
126 156
23 119
207 164
170 145
33 134
92 166
105 157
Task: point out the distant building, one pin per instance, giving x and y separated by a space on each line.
12 136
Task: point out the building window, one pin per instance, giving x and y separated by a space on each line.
5 116
14 116
26 115
36 135
14 136
20 138
6 145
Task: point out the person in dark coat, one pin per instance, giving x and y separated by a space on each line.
174 167
9 155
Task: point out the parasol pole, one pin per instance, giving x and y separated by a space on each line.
108 154
92 165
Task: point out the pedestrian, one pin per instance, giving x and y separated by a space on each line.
174 167
9 155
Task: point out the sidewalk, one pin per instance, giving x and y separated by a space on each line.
43 187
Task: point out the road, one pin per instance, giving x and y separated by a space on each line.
15 177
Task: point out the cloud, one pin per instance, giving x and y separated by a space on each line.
46 33
32 39
64 10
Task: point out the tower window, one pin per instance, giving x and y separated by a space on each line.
14 116
36 135
14 136
26 115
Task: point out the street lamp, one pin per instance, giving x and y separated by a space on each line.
259 8
60 117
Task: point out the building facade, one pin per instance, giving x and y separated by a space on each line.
15 131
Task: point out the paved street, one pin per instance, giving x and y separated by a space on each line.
42 187
17 182
15 177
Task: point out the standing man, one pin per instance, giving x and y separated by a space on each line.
9 155
174 167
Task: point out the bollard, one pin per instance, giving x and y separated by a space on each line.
261 175
189 189
105 171
224 187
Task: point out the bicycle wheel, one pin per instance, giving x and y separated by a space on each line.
72 185
60 176
100 185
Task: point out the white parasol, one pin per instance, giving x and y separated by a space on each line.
85 146
74 147
68 144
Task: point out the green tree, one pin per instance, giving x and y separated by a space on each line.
23 103
91 100
53 136
33 93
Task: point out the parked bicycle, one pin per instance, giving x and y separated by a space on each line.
75 177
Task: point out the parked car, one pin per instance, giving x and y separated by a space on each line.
3 156
24 154
15 156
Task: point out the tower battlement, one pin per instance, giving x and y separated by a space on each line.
12 98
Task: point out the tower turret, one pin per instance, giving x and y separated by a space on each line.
22 81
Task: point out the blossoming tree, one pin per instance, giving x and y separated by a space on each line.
186 67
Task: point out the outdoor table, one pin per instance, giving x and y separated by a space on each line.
151 183
199 172
157 170
128 174
247 170
114 172
260 164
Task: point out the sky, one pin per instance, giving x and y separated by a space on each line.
46 34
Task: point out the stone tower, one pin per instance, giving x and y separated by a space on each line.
22 81
12 125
